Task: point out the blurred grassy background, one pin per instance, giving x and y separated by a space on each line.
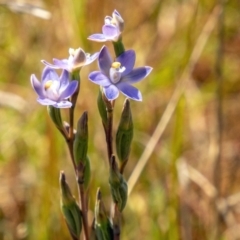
189 188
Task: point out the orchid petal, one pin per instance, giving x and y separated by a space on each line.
111 92
92 58
63 64
69 91
118 18
130 91
49 74
110 31
104 60
79 58
63 104
99 78
127 59
64 78
136 75
49 64
46 101
98 37
36 86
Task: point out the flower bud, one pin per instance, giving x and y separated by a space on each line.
70 209
80 145
55 115
102 225
118 186
124 134
102 108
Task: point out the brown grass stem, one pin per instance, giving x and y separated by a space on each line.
217 170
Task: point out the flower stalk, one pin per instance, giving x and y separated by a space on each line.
116 75
118 47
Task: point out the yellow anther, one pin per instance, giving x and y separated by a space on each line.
116 65
113 21
71 51
48 84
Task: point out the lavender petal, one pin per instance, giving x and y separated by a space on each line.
36 86
63 64
64 79
127 59
98 37
104 60
99 78
63 104
46 101
49 64
130 91
111 92
49 74
110 31
79 58
92 58
136 75
69 91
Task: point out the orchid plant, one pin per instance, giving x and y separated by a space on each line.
56 92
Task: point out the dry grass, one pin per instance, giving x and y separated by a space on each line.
172 164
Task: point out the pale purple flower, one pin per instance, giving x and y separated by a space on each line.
77 59
54 90
119 75
111 30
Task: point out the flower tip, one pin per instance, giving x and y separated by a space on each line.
62 177
116 12
97 37
103 48
139 97
149 69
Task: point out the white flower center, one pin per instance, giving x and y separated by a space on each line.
51 88
115 72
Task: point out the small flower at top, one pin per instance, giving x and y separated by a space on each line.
111 30
77 59
54 90
119 75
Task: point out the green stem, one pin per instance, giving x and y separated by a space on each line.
82 194
74 76
118 47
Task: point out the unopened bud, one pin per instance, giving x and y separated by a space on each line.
103 227
124 134
118 186
70 209
102 108
80 145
